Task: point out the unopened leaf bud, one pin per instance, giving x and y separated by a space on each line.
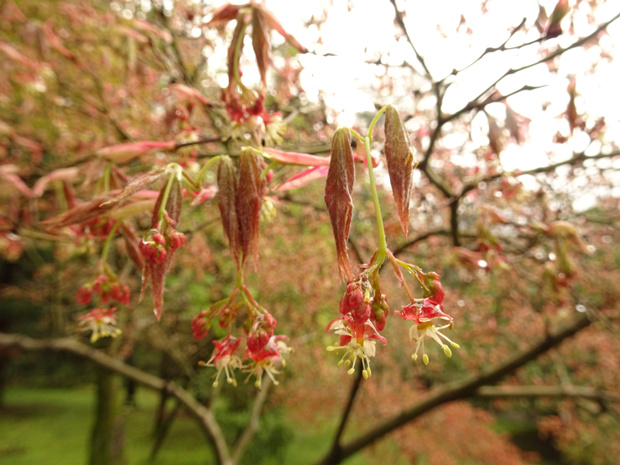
400 162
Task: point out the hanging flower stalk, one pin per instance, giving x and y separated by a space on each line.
363 307
161 242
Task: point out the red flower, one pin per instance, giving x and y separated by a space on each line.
102 323
429 320
224 360
199 326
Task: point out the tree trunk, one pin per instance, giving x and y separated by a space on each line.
108 432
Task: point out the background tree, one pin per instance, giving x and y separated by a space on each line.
123 125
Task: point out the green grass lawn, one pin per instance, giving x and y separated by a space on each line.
52 427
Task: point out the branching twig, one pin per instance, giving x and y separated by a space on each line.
401 22
579 158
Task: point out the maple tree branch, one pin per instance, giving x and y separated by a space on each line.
422 237
545 59
579 158
501 48
202 414
457 390
244 441
335 450
546 391
401 22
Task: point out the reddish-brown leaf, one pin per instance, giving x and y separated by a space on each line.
495 136
131 244
400 162
224 14
338 188
226 198
249 200
157 273
272 22
260 43
233 58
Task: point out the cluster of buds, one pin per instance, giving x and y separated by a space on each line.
429 318
264 351
155 246
363 310
101 322
109 288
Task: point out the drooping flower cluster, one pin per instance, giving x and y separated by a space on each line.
363 310
109 288
101 322
429 319
363 306
264 351
162 241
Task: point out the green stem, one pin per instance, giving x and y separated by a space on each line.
108 241
374 121
382 250
205 168
107 172
268 168
173 177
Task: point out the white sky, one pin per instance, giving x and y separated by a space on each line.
366 31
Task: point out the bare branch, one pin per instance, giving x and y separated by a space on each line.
546 391
244 441
550 57
579 158
401 22
204 416
422 237
335 450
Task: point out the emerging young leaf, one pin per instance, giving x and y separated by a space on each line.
260 43
400 162
295 158
272 22
122 153
249 200
227 194
303 178
338 187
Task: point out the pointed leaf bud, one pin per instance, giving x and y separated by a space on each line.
260 43
227 194
338 188
400 162
249 201
553 28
